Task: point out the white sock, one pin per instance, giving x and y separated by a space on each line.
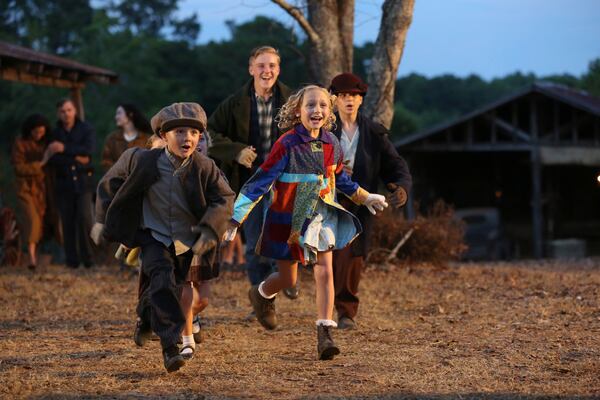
196 325
188 341
262 293
327 322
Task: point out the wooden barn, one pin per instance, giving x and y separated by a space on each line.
534 156
21 64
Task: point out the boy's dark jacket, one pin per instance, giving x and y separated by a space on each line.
375 159
229 126
121 192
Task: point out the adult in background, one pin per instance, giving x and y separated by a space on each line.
133 130
73 146
29 157
243 130
369 156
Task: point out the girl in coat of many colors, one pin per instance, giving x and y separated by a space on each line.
304 222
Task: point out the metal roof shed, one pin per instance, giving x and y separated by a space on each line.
534 154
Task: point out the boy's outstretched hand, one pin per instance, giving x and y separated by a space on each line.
206 241
246 156
398 196
97 233
230 233
375 202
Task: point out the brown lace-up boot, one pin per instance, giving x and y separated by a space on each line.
264 308
326 348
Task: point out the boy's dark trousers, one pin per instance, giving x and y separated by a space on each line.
144 309
76 216
166 273
347 271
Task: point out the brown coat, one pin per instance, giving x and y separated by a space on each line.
30 184
115 144
230 130
122 189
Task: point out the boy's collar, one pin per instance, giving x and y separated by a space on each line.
255 95
176 161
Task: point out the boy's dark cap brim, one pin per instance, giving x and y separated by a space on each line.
177 123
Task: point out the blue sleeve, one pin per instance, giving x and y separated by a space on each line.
260 183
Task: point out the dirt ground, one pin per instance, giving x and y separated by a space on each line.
495 331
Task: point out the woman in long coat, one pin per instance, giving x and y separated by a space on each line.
29 156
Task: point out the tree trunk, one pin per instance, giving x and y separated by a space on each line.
329 26
331 53
346 33
389 46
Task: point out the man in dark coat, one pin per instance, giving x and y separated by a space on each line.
369 157
160 200
73 146
243 129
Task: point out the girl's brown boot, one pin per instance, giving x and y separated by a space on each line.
326 348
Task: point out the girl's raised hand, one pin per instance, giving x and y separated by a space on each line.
375 202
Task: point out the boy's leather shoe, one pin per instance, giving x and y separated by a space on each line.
291 293
264 308
326 348
198 336
346 323
172 359
142 333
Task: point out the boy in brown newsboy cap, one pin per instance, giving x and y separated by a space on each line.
370 158
174 203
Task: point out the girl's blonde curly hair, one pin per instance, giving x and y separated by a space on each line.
289 114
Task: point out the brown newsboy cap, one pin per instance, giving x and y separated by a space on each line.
348 83
177 115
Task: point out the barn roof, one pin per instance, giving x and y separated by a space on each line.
577 99
22 64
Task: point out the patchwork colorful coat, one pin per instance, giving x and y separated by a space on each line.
299 171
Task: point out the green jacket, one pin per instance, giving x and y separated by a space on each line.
229 127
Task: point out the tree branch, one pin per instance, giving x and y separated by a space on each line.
295 13
389 46
345 10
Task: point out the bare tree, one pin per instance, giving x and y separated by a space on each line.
329 26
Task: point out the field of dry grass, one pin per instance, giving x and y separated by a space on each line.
501 331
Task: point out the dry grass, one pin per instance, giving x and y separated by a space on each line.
502 331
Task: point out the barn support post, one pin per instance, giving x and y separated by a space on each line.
536 202
536 183
77 98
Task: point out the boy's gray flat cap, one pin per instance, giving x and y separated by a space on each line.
177 115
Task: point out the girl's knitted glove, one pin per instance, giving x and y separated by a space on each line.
375 202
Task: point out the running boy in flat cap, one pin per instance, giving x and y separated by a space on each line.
174 203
